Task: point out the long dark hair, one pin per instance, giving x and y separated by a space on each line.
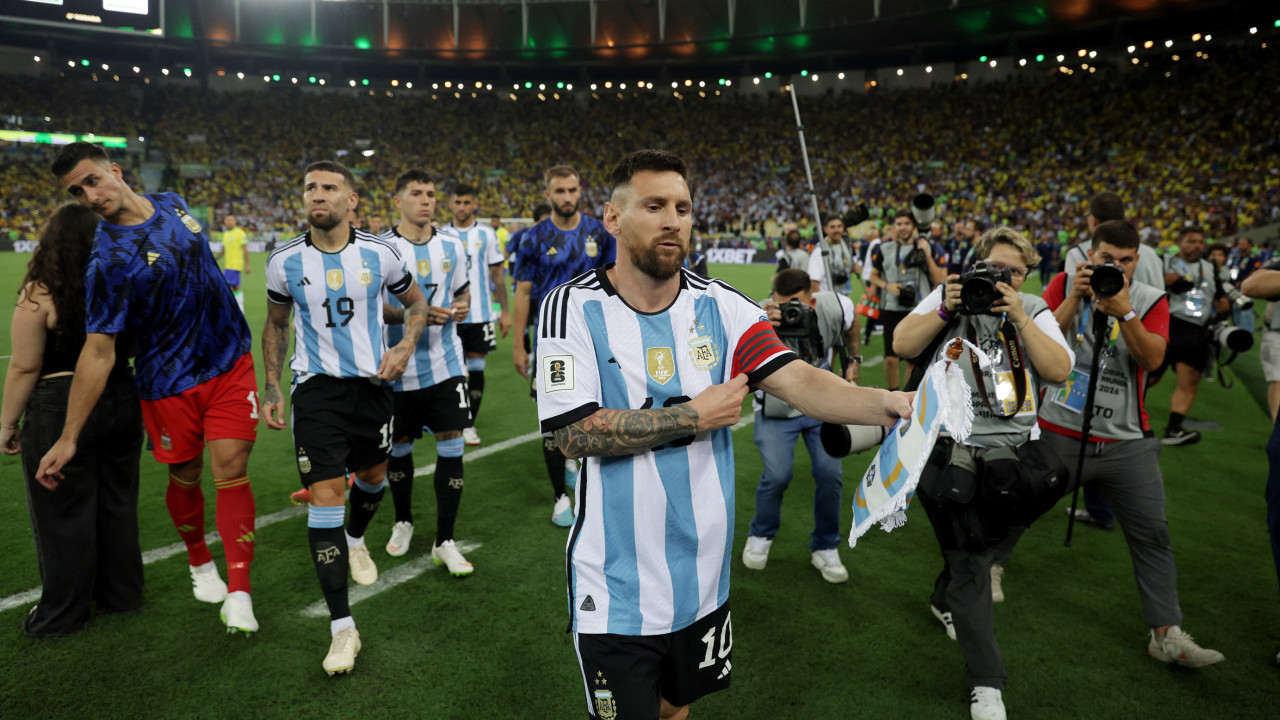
58 263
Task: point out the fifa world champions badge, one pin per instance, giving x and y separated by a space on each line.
887 487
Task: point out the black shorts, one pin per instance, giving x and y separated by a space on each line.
890 319
627 676
340 425
1188 344
439 408
477 338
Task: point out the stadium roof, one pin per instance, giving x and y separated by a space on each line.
731 37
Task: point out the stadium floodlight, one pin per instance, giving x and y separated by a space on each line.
321 81
593 87
1195 38
982 59
730 82
688 83
1148 44
1253 31
1277 23
1168 43
528 86
622 86
71 63
928 68
814 77
768 75
1022 62
1132 48
448 83
569 86
702 83
804 73
36 58
165 72
352 83
239 75
993 63
1082 52
675 84
490 86
186 71
364 81
560 85
1061 58
1135 61
899 72
1093 53
755 81
368 153
1040 58
608 85
840 76
106 66
295 80
84 63
479 84
1207 38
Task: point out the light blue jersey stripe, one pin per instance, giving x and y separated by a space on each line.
451 360
310 349
673 468
617 488
373 302
707 310
340 334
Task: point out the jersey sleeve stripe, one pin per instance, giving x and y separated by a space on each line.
550 425
545 311
759 342
755 377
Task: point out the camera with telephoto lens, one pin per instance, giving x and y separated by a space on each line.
1237 298
1107 279
978 290
1225 336
798 330
842 440
907 295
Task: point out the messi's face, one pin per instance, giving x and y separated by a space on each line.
652 217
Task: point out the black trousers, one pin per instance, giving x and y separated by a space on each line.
85 530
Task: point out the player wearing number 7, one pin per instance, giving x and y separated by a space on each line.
334 276
642 369
152 275
432 393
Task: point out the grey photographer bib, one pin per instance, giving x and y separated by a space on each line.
1194 305
989 430
1117 402
831 322
894 272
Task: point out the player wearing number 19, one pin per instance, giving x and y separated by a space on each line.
334 276
432 393
642 369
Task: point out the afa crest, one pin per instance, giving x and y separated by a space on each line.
365 277
446 264
703 352
661 364
606 708
593 247
424 267
334 279
189 221
304 462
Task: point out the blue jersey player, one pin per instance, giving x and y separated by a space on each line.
152 273
551 253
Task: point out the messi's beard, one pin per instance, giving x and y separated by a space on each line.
648 261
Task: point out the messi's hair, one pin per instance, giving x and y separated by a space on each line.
463 189
58 263
1007 236
1106 206
560 171
1116 233
540 211
333 167
70 155
415 175
646 160
791 281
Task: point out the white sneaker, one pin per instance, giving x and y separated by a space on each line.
1177 647
447 553
756 553
363 571
985 703
562 513
997 577
828 563
401 534
206 584
342 652
237 613
945 619
470 437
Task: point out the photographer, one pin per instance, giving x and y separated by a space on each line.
1103 207
793 256
1123 455
904 266
974 492
1195 294
811 324
831 261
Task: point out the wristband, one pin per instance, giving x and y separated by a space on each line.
1129 315
942 313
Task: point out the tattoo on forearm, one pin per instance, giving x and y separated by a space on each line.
415 319
392 315
611 431
271 394
275 343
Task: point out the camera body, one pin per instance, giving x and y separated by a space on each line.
907 295
798 330
978 290
1107 279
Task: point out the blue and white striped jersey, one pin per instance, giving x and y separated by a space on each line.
650 550
482 247
440 269
337 299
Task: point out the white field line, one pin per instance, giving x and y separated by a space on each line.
386 581
212 538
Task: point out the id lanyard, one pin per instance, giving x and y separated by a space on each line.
1113 333
1194 299
1013 349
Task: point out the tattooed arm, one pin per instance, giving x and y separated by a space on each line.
610 431
275 343
395 360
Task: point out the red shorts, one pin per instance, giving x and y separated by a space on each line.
217 409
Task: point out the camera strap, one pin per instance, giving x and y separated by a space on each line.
1013 350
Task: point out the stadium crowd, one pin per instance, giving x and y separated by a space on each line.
1189 141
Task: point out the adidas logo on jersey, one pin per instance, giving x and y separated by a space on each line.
304 281
553 251
152 257
588 605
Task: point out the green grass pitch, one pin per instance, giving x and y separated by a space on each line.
494 644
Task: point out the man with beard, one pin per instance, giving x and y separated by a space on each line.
342 405
552 252
642 369
1195 294
903 266
485 271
